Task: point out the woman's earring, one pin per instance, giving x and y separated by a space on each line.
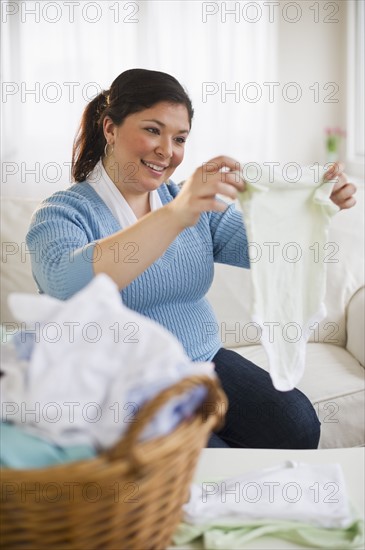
106 154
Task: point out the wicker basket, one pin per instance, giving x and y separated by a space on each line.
127 498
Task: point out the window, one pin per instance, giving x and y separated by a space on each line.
355 100
57 55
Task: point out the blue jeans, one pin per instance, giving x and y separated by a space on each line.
258 415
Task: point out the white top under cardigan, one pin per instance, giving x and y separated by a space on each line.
113 198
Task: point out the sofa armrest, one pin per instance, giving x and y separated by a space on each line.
356 326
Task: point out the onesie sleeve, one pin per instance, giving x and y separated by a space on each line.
61 245
229 237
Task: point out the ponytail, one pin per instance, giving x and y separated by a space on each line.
90 141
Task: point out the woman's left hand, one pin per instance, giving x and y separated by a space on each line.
343 191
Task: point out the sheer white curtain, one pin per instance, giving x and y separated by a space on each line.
57 55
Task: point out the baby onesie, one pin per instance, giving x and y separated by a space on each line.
287 211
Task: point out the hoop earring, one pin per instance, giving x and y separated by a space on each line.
106 150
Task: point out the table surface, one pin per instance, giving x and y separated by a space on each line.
223 463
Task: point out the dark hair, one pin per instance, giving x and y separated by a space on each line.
131 92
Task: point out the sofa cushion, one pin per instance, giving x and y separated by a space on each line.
16 274
356 326
337 394
231 289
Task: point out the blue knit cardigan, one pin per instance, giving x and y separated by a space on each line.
66 227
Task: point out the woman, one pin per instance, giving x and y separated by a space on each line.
158 243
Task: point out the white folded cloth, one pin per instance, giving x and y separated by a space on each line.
312 494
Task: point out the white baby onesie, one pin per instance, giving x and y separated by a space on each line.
287 210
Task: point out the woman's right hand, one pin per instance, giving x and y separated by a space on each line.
152 234
198 194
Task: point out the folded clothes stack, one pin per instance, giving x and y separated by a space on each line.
302 503
77 373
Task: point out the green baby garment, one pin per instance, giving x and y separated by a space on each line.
235 536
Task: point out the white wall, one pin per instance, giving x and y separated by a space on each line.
311 52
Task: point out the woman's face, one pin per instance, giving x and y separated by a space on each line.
148 146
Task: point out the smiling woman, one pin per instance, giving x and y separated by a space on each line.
158 243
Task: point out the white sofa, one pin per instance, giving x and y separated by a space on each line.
334 376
